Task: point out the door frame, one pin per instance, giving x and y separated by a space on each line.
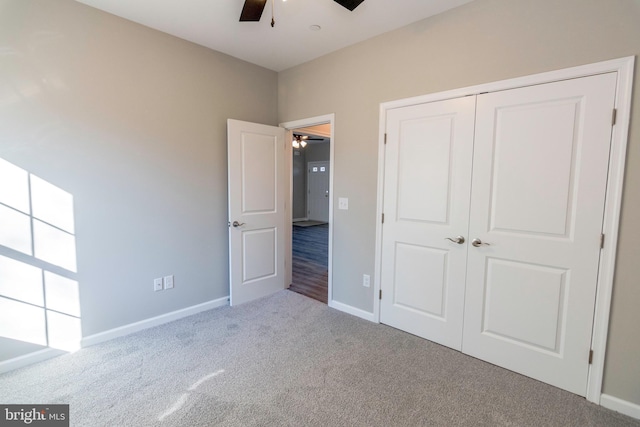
288 257
619 137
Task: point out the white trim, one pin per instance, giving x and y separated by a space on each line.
29 359
377 283
312 121
624 68
153 321
352 310
613 65
611 224
623 406
300 219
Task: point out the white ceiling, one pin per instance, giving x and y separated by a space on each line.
214 24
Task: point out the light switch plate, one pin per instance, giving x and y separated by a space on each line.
168 282
343 203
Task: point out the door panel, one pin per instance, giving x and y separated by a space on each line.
422 273
538 141
259 173
524 303
255 245
256 205
539 180
426 200
424 169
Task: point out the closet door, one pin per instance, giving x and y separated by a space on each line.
539 181
426 202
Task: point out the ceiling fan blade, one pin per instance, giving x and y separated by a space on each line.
307 137
252 10
349 4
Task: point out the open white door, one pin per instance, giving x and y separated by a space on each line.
256 210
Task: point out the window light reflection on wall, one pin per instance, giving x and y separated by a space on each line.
39 296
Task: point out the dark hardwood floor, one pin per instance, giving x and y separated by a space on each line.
310 261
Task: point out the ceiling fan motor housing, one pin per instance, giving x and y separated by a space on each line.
349 4
252 9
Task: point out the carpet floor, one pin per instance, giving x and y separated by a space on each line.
287 360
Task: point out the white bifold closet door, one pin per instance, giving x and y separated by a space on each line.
538 187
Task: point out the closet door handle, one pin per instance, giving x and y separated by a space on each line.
477 243
459 240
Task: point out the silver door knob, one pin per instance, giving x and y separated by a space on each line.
478 243
459 240
237 224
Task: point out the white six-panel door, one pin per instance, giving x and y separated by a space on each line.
523 295
539 182
426 202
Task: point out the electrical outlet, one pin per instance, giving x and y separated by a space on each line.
168 282
366 280
157 284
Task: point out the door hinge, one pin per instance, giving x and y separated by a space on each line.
613 116
602 241
380 294
385 138
383 218
590 357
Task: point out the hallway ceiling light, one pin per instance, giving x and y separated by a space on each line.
300 141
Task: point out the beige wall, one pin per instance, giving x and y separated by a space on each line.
484 41
132 123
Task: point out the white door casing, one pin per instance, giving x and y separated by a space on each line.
318 191
539 183
256 185
426 202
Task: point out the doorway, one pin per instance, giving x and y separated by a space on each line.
311 207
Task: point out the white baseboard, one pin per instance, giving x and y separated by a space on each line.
29 359
299 219
352 310
151 322
619 405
